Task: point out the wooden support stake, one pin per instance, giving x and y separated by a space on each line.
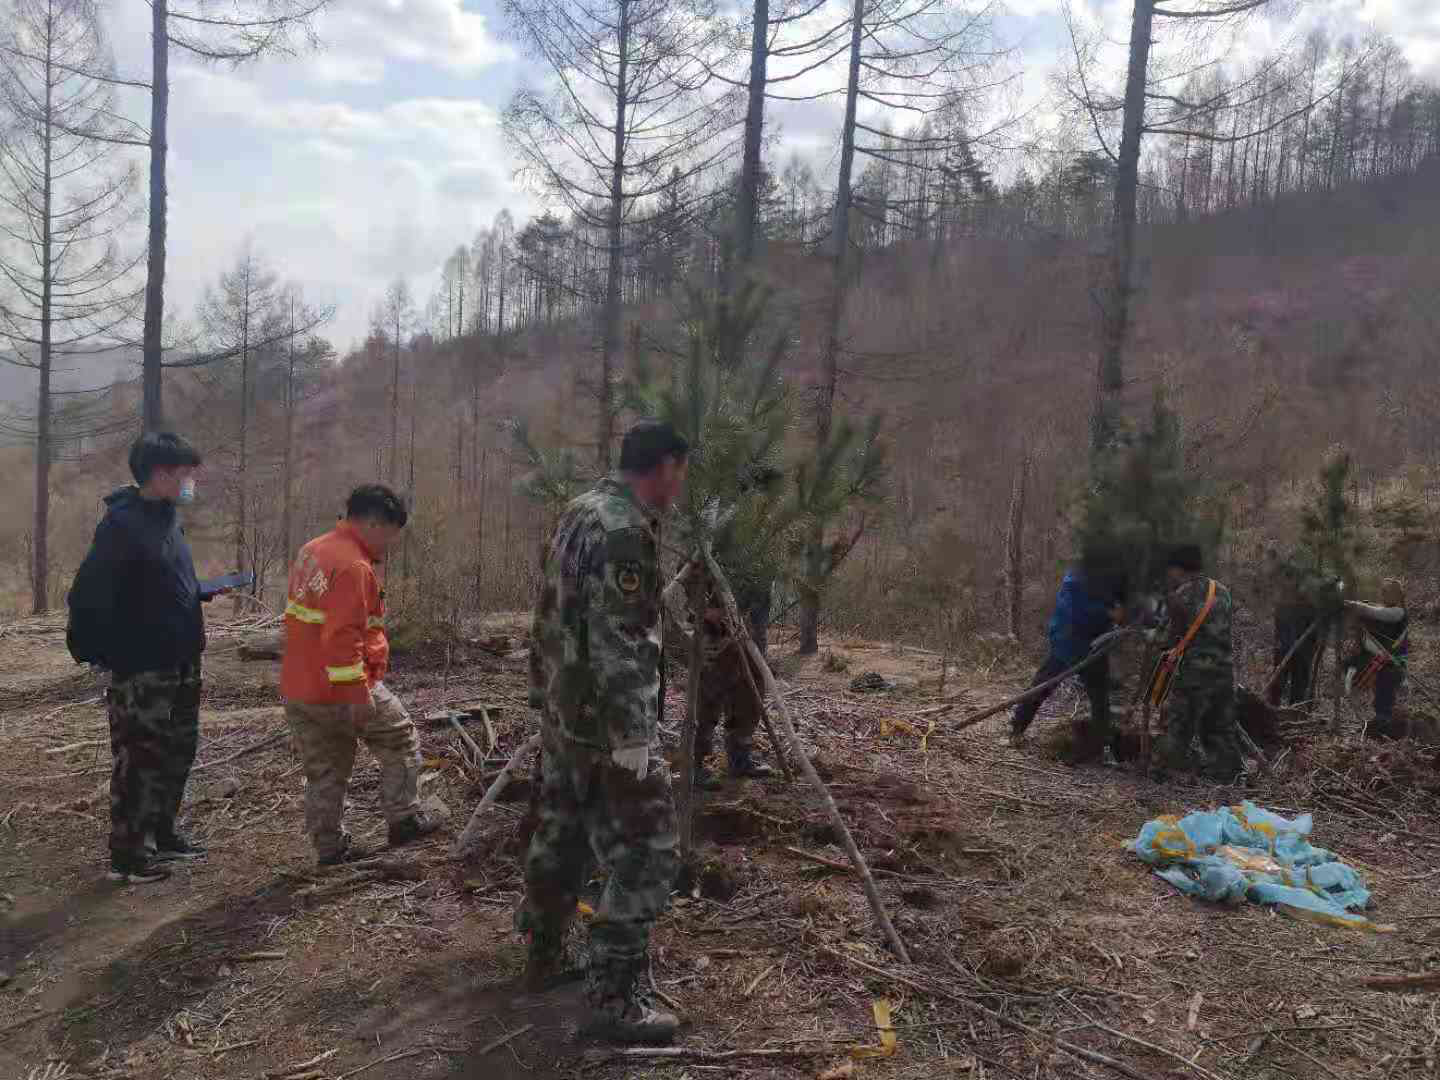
685 808
807 767
478 759
466 842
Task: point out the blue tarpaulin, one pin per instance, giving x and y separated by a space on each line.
1246 852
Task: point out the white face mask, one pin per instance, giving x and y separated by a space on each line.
187 490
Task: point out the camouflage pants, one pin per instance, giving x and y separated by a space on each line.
723 688
589 809
154 732
325 737
1207 712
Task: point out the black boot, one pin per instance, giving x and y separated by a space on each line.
545 961
620 1012
410 829
743 765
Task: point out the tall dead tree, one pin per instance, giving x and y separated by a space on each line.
234 315
624 113
397 317
1117 294
67 286
912 56
251 29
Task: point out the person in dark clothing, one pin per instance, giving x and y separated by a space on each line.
135 612
1294 616
1383 653
1089 604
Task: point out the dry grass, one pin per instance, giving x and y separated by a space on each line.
1039 946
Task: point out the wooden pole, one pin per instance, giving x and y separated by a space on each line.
807 767
1035 691
1284 664
463 846
686 801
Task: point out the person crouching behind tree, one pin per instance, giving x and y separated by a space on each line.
1384 651
332 677
1202 680
1090 603
135 611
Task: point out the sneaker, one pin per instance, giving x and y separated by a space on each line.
1015 739
410 829
637 1025
138 870
175 847
1107 758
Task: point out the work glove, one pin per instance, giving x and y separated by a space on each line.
635 759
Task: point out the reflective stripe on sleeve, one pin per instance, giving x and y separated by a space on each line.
304 614
375 622
352 674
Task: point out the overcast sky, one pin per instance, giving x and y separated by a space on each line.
375 157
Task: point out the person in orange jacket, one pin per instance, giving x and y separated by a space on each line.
332 676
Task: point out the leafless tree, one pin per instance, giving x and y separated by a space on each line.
1142 88
237 315
625 114
68 287
904 55
397 317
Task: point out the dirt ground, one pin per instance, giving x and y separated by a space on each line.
1039 947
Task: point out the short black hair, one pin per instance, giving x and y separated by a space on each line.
160 450
1187 557
376 502
648 444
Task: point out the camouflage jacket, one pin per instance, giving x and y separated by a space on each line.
1208 661
595 639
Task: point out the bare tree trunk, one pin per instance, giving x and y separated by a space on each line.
686 800
610 342
1015 546
1115 325
287 502
410 484
242 477
830 373
394 470
40 567
747 215
153 413
480 530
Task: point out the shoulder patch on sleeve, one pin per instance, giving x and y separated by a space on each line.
630 564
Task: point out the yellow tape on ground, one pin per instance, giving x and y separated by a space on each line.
888 1042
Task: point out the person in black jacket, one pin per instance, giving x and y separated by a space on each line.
135 611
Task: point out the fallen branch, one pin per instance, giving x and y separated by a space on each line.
76 746
807 767
1004 1021
706 1057
470 744
1429 980
1039 690
471 832
291 1070
400 1056
502 1040
253 748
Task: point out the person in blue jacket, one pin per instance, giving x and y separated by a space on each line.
1089 604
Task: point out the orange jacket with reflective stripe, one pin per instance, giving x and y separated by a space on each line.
335 646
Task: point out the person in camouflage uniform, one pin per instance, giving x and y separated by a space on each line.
1202 689
724 687
595 658
1381 656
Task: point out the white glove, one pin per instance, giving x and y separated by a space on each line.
635 759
